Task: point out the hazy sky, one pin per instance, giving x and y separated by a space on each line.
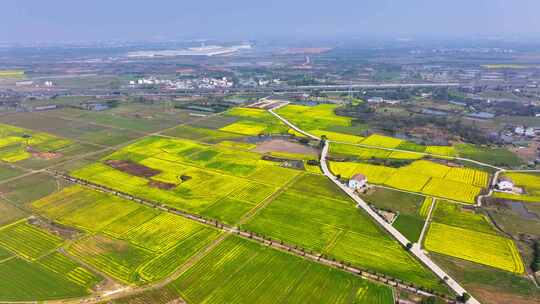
69 20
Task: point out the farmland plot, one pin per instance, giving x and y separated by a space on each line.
375 174
493 156
469 176
256 120
229 210
339 149
115 257
202 134
98 214
130 221
335 227
133 243
236 145
24 190
407 180
162 232
426 205
257 274
483 248
7 172
4 254
320 185
28 241
245 128
24 281
167 262
9 213
130 116
382 141
335 136
454 215
191 195
452 190
410 226
322 120
411 146
62 265
84 208
185 172
397 201
405 205
441 150
17 144
318 117
405 155
70 129
273 175
426 168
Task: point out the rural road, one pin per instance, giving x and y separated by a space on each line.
416 249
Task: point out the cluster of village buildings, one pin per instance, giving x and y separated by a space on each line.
185 84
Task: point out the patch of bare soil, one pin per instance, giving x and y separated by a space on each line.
46 155
43 155
495 296
60 230
281 145
108 245
527 153
107 285
160 185
432 134
132 168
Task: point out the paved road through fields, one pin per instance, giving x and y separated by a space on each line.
416 249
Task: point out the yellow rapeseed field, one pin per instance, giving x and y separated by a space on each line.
426 205
441 150
468 176
377 140
426 168
452 190
244 128
335 136
406 180
474 246
375 174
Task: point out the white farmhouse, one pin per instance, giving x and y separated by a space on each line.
505 184
358 181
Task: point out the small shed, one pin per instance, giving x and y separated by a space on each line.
358 181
